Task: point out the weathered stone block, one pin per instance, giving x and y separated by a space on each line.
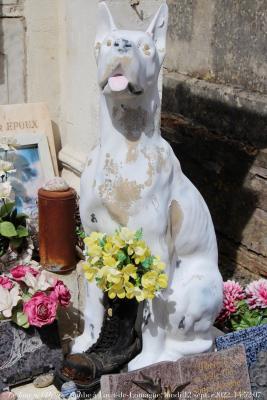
225 157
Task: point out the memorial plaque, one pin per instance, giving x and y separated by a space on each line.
254 340
28 118
216 375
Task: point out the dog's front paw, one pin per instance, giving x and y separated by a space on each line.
81 344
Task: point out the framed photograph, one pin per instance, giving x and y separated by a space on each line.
32 167
29 118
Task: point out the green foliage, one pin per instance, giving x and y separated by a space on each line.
246 318
13 227
121 256
102 242
80 233
22 231
6 209
7 229
148 262
20 319
139 234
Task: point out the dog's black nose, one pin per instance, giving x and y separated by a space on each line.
122 45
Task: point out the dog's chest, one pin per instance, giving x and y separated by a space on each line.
121 184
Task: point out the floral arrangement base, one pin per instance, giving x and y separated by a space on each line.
27 353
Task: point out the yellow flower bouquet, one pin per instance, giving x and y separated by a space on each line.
122 265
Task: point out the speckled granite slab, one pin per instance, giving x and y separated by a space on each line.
254 339
258 376
207 376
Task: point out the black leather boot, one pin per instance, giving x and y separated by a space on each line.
117 345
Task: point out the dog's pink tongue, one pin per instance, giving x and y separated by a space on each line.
118 83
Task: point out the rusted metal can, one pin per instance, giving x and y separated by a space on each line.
57 229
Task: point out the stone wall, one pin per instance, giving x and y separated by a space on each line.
215 117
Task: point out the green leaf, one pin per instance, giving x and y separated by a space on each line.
22 231
121 256
138 234
147 262
6 209
7 229
26 296
21 319
102 242
80 233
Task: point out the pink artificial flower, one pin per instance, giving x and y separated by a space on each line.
20 271
40 309
6 282
61 294
232 293
256 293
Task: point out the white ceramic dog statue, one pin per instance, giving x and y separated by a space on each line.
133 179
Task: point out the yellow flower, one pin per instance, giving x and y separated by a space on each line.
133 291
158 265
129 271
149 294
102 283
109 261
89 272
162 281
110 247
117 241
93 238
126 235
112 275
117 291
149 280
139 251
94 250
95 260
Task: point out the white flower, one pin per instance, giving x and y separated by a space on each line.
5 190
41 282
6 166
8 300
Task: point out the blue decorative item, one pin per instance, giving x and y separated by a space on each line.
254 340
68 390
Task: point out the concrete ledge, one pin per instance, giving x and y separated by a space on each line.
239 114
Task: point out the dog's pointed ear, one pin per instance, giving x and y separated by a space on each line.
105 24
158 30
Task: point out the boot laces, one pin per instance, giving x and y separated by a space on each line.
108 335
